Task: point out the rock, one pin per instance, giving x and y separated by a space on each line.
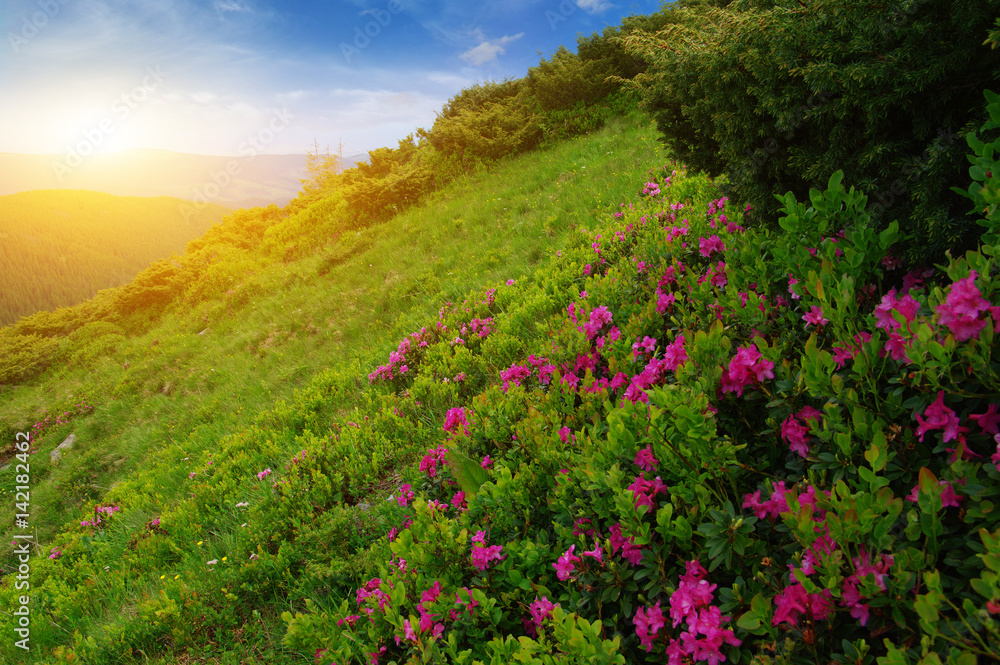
65 445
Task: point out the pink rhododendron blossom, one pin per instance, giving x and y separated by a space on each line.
599 318
596 553
907 306
718 274
644 459
647 345
710 245
632 552
815 317
675 354
773 507
940 417
645 491
566 564
948 496
664 301
796 436
456 418
792 282
647 624
616 539
961 309
431 460
405 495
483 556
746 367
794 600
540 610
896 347
514 374
458 501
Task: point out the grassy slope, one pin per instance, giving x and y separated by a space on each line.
182 393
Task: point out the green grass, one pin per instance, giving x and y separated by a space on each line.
166 399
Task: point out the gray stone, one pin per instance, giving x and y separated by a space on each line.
65 445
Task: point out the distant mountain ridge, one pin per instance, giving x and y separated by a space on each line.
232 181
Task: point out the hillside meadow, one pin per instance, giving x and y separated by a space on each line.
527 389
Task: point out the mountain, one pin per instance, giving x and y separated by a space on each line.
235 182
59 247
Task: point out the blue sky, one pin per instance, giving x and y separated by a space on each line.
217 76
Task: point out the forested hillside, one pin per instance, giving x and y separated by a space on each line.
526 389
60 247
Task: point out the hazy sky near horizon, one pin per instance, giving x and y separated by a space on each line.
231 77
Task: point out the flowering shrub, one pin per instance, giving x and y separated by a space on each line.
675 382
668 458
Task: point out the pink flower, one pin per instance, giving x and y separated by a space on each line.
645 491
940 417
908 306
644 459
566 564
487 462
664 301
458 501
514 374
430 461
454 419
647 624
540 610
632 552
617 541
260 476
961 309
482 556
405 495
796 436
596 553
408 631
564 434
710 245
773 507
675 354
815 317
746 367
647 345
792 282
948 495
794 600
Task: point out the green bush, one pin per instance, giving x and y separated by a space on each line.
779 95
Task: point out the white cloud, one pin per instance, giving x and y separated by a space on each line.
230 6
488 50
593 6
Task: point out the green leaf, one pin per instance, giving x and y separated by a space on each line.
468 472
749 621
